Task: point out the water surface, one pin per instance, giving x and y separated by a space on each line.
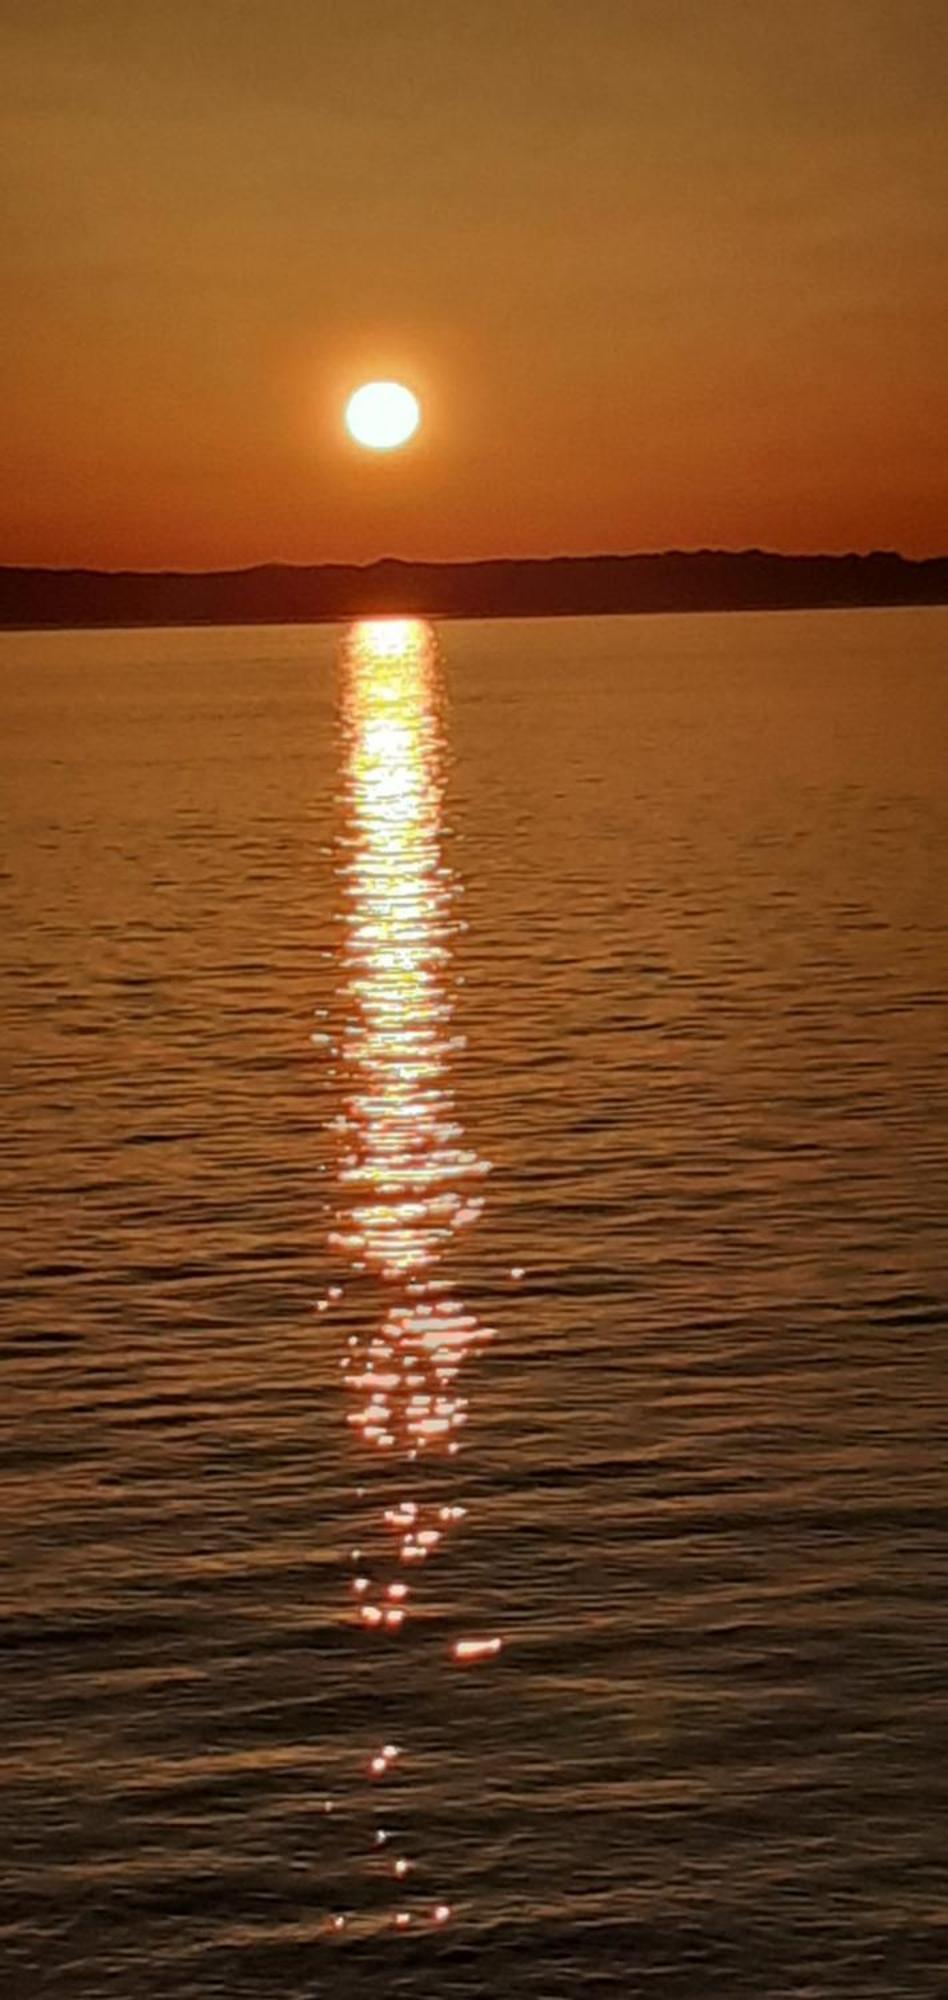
647 917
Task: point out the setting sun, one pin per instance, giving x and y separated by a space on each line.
382 415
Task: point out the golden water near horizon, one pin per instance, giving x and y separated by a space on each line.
650 915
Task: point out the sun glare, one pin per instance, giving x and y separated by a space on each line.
382 415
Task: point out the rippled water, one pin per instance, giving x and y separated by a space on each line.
477 1099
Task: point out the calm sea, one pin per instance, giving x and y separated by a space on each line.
474 1465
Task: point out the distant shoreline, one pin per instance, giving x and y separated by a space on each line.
534 587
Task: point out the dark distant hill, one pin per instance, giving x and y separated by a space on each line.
699 580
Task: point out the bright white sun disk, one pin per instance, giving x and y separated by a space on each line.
382 415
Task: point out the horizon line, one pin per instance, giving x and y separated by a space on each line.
388 561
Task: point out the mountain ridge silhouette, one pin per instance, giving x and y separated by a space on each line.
490 587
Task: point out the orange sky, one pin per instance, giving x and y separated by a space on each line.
664 273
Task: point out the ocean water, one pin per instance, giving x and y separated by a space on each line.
473 1453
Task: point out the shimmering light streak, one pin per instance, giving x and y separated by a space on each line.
476 1649
407 1183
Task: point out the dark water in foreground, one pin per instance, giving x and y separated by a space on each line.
647 917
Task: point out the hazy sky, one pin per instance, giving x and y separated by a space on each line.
664 272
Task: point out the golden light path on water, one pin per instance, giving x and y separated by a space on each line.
407 1184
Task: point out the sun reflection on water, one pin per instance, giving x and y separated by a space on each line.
407 1184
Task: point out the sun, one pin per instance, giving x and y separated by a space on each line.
382 415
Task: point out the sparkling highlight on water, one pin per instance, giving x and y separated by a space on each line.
408 1185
